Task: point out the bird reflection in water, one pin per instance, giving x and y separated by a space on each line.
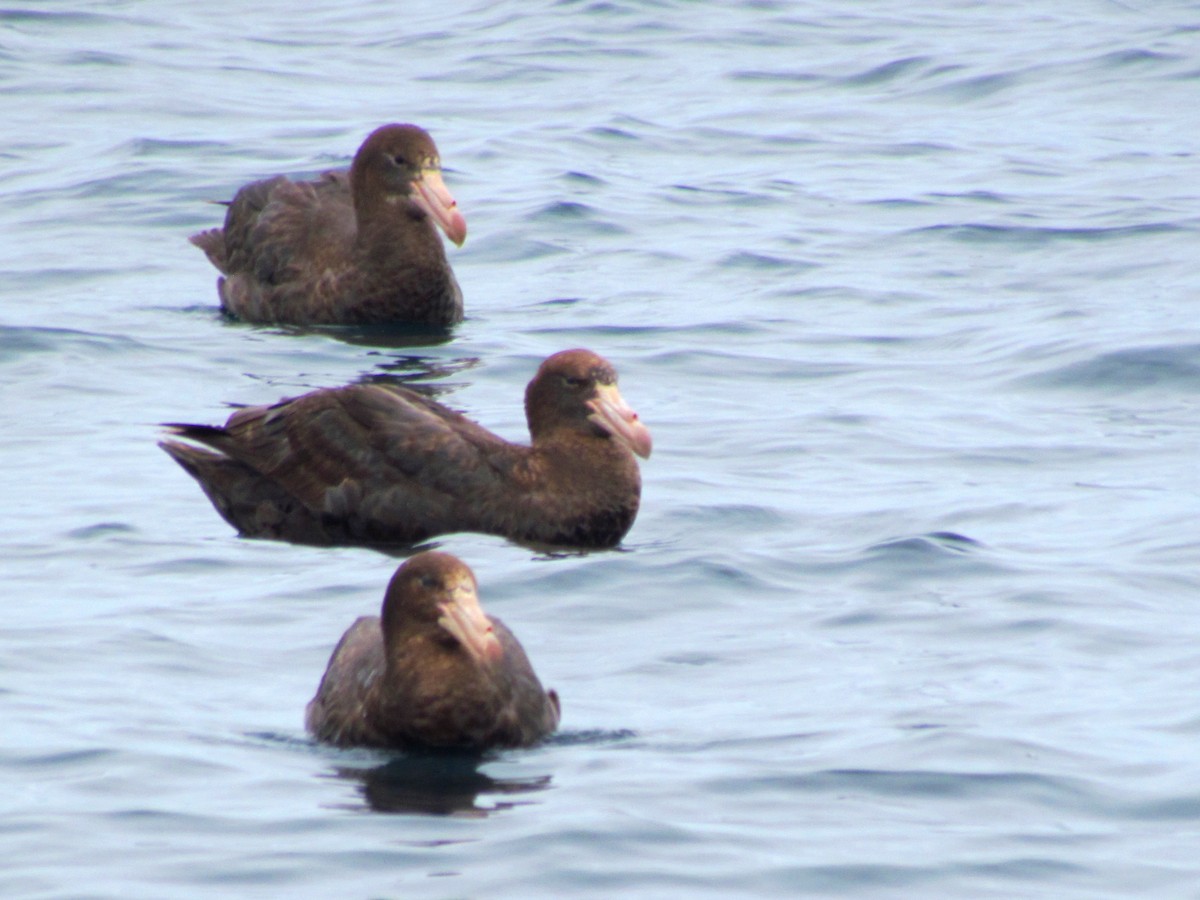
380 337
438 785
425 374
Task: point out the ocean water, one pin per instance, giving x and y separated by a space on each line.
906 293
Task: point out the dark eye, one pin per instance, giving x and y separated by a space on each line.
428 581
573 382
400 161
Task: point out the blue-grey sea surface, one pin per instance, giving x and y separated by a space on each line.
908 295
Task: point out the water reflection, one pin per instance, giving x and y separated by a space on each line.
391 336
413 372
424 374
437 785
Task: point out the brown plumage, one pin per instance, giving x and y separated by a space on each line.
350 248
378 464
434 672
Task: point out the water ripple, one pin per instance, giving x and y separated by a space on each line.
1171 367
1035 236
905 293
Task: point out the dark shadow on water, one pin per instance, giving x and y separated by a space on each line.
542 552
394 550
398 335
394 368
413 372
392 337
590 737
439 785
545 552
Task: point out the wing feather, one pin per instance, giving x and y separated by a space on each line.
381 453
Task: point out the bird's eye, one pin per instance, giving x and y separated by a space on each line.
573 382
400 160
428 581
